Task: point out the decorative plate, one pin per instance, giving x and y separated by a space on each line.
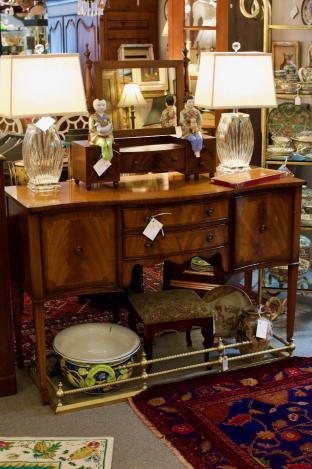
289 120
273 150
306 12
227 303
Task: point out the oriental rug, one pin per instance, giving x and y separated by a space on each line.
249 418
56 453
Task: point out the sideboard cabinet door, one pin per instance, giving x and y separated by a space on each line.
78 250
263 228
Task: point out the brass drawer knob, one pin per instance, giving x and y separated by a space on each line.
263 228
148 245
78 251
209 237
210 211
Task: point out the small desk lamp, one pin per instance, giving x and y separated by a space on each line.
235 80
36 86
132 97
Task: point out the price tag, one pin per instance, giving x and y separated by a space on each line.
101 166
178 130
213 325
45 123
262 328
225 363
152 229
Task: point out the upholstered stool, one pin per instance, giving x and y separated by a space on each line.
170 309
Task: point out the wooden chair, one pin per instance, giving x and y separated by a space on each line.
177 309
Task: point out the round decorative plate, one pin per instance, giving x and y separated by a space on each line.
306 12
289 120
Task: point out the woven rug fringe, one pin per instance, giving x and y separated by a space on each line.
157 433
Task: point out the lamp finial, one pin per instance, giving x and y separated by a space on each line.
236 46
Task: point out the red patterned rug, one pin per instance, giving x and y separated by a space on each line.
69 311
258 417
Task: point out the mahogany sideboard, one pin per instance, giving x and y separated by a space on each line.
7 362
76 241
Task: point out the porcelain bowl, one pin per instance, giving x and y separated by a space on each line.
90 354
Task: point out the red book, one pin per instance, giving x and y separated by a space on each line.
250 177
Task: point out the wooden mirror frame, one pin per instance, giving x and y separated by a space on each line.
178 65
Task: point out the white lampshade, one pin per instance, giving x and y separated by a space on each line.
229 80
41 85
131 96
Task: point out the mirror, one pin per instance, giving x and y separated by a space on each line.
155 79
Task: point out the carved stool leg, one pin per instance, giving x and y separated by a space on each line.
207 333
188 336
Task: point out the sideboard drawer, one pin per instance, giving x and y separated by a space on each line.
176 215
175 242
78 249
152 161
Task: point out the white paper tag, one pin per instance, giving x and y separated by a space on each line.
178 130
213 325
152 229
225 363
101 166
262 328
297 100
45 123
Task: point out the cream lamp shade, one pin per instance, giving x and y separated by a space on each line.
41 85
229 80
131 96
232 80
36 86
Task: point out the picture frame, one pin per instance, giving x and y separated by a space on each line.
306 12
151 78
285 52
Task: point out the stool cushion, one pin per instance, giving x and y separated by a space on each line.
169 306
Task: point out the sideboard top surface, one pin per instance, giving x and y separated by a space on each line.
136 189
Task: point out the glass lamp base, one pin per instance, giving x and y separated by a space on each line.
235 142
43 158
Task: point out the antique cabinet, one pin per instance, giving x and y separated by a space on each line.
124 21
7 373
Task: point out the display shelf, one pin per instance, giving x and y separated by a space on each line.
271 281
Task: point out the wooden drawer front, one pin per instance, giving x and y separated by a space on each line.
153 161
185 214
206 163
175 242
78 249
263 228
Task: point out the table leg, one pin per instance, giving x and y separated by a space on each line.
17 307
248 281
39 320
291 299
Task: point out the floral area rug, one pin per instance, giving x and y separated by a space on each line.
66 312
250 418
56 453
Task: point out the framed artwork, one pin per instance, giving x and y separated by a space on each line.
306 12
285 53
150 78
110 91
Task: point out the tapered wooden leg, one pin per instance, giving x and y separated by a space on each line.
291 299
39 317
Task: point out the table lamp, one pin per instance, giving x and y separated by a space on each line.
235 80
36 86
131 98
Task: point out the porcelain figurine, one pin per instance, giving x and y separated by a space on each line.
101 129
169 115
190 120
